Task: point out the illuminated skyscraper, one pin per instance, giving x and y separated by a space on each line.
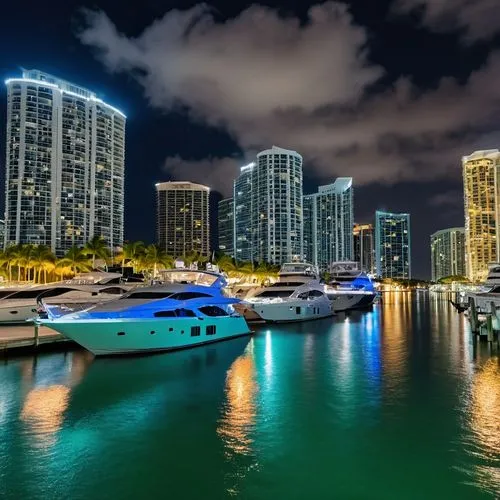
64 164
481 204
364 247
243 227
277 206
328 222
448 253
392 245
268 208
226 226
182 218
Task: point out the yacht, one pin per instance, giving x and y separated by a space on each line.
305 303
188 308
349 288
487 293
291 277
18 305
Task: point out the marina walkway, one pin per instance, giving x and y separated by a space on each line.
22 337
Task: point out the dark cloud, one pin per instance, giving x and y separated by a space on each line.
273 80
478 19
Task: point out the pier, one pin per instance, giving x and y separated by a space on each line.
18 339
484 323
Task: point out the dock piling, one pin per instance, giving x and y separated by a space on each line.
37 337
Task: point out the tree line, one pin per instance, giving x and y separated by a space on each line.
38 264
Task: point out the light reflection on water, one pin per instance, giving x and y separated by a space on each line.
401 393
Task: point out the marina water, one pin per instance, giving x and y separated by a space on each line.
394 403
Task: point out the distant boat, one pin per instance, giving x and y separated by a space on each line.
19 305
188 309
350 288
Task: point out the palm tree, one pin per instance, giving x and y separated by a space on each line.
77 260
131 252
43 260
194 256
16 258
155 256
97 248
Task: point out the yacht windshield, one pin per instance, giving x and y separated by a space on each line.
273 293
185 276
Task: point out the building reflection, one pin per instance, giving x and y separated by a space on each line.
43 411
484 412
238 419
44 404
395 321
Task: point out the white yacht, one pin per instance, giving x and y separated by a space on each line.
188 309
486 294
19 305
306 303
298 295
349 287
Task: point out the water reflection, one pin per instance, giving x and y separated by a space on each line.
43 411
236 425
483 412
47 382
396 328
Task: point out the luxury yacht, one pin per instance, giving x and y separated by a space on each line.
307 302
486 293
187 309
349 287
291 277
19 305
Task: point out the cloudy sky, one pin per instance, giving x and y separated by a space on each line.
392 94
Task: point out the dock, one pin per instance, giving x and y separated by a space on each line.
20 339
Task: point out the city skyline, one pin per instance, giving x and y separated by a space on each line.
404 154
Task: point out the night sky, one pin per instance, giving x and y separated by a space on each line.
392 93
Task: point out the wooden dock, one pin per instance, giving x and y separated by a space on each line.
17 339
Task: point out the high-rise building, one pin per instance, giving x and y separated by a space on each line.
448 253
242 198
182 218
364 247
392 245
65 162
268 208
481 204
276 206
226 226
328 222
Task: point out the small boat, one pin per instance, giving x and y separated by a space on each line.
19 305
306 303
350 288
187 309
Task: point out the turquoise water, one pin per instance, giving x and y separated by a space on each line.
396 403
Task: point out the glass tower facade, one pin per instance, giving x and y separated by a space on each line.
448 253
392 245
65 161
182 218
242 199
226 226
276 206
481 205
364 247
328 222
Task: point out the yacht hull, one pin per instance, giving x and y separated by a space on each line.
351 300
105 337
12 314
290 311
